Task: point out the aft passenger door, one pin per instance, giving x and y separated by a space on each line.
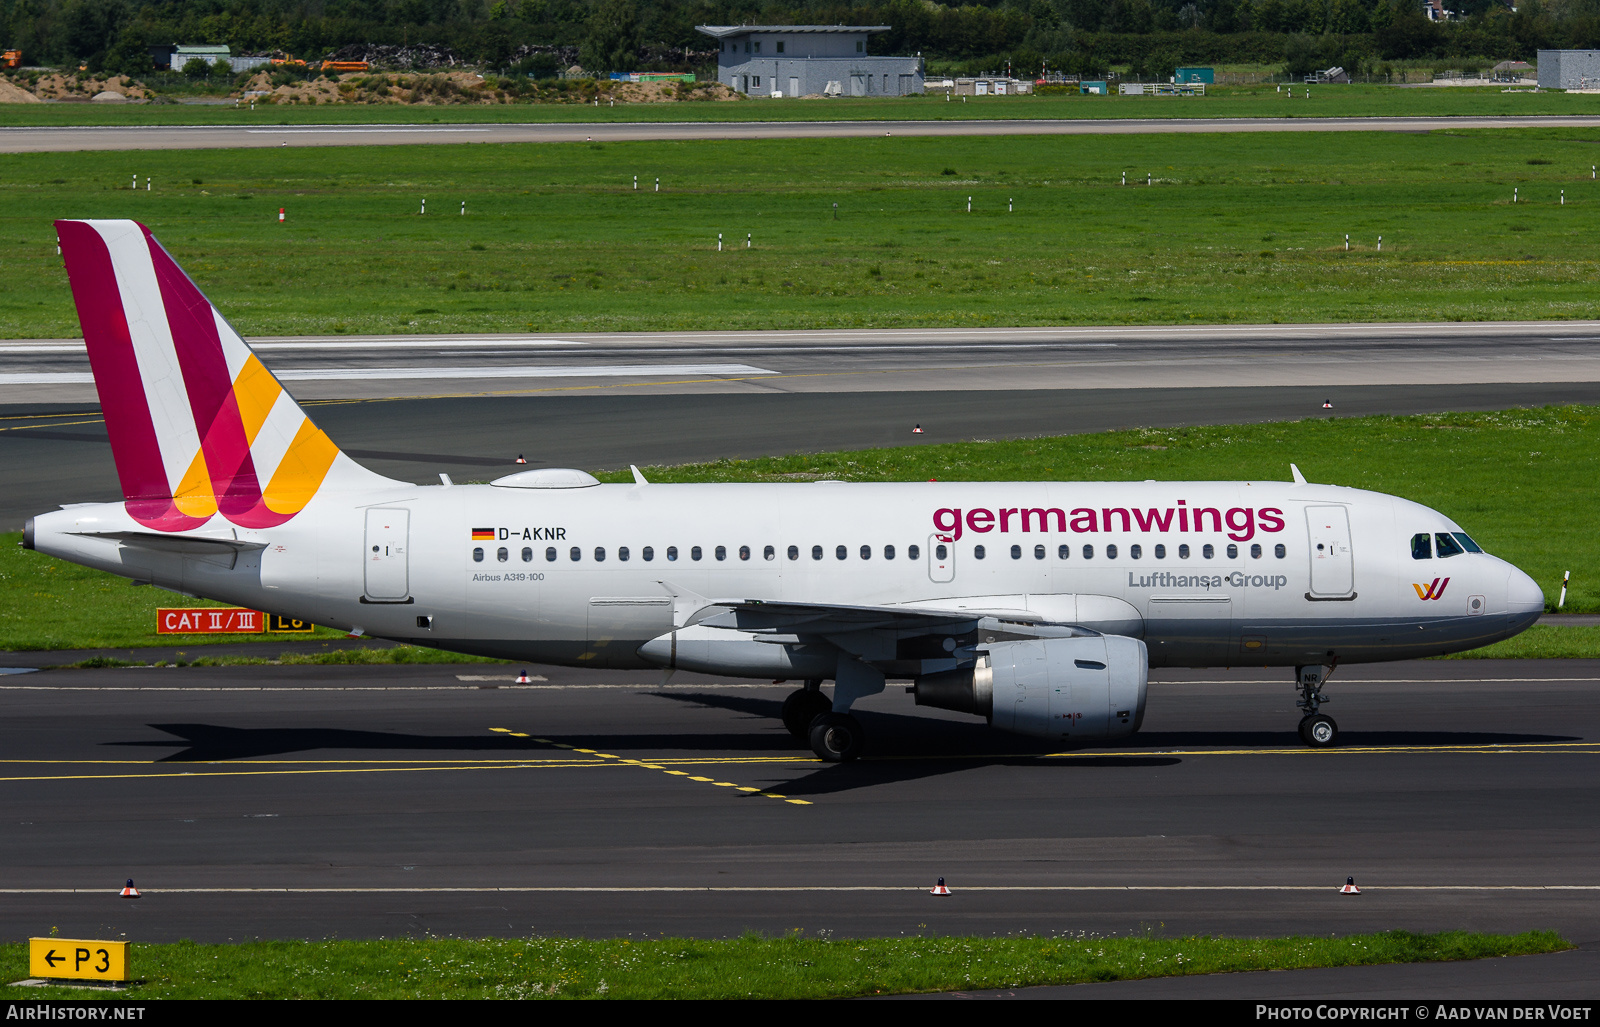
388 578
1332 563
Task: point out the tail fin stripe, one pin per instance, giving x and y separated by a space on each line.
198 425
108 338
198 347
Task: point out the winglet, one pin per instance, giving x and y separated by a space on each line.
638 478
1299 479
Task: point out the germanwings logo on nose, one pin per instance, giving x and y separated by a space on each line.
1432 590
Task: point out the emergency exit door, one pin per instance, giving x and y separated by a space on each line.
941 558
1332 563
388 577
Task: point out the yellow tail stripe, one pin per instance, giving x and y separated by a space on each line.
194 496
255 390
301 471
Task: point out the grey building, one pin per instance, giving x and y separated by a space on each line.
1569 69
809 60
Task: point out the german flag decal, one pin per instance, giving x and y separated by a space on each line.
482 534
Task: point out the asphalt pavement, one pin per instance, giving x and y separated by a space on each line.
265 133
403 801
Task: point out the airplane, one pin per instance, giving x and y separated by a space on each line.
1038 606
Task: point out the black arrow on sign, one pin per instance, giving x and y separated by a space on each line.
52 959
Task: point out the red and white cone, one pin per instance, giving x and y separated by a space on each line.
940 889
1327 404
1349 887
522 678
129 891
521 459
280 213
917 430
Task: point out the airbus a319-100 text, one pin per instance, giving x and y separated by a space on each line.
1039 606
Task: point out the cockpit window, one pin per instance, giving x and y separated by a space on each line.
1421 547
1466 542
1448 546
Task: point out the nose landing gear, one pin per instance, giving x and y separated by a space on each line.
1317 730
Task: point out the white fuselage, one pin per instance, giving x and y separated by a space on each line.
1207 573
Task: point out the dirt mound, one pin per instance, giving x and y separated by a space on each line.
79 87
12 94
465 87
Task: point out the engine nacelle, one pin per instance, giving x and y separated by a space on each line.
1064 689
710 650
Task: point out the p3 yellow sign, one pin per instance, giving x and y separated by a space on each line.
84 960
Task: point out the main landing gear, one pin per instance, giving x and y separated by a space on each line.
809 716
1318 730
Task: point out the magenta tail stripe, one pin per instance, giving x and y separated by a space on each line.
116 370
210 387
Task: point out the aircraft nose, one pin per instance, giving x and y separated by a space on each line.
1523 594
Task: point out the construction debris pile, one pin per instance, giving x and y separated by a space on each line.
417 56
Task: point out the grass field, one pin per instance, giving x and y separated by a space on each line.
1258 101
747 967
1523 482
1236 228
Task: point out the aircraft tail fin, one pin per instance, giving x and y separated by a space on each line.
198 425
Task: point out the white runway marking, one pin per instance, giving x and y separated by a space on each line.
352 129
346 374
880 888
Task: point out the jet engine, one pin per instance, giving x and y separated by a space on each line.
1064 689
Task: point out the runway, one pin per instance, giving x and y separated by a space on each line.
816 391
209 137
403 801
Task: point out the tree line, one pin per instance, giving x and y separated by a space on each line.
609 35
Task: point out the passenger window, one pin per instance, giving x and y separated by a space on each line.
527 554
841 552
744 552
1208 550
978 552
1183 551
648 553
1136 551
1088 552
769 553
576 554
599 554
672 552
1016 552
913 552
477 555
794 552
695 553
1467 543
550 554
722 552
622 553
1038 552
940 552
866 552
1233 551
1063 552
1161 551
502 555
1421 547
1255 552
816 552
1447 545
1111 552
888 552
1279 551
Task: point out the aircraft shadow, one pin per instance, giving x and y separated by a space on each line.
202 743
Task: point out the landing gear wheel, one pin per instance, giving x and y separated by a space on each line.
836 737
801 707
1319 731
